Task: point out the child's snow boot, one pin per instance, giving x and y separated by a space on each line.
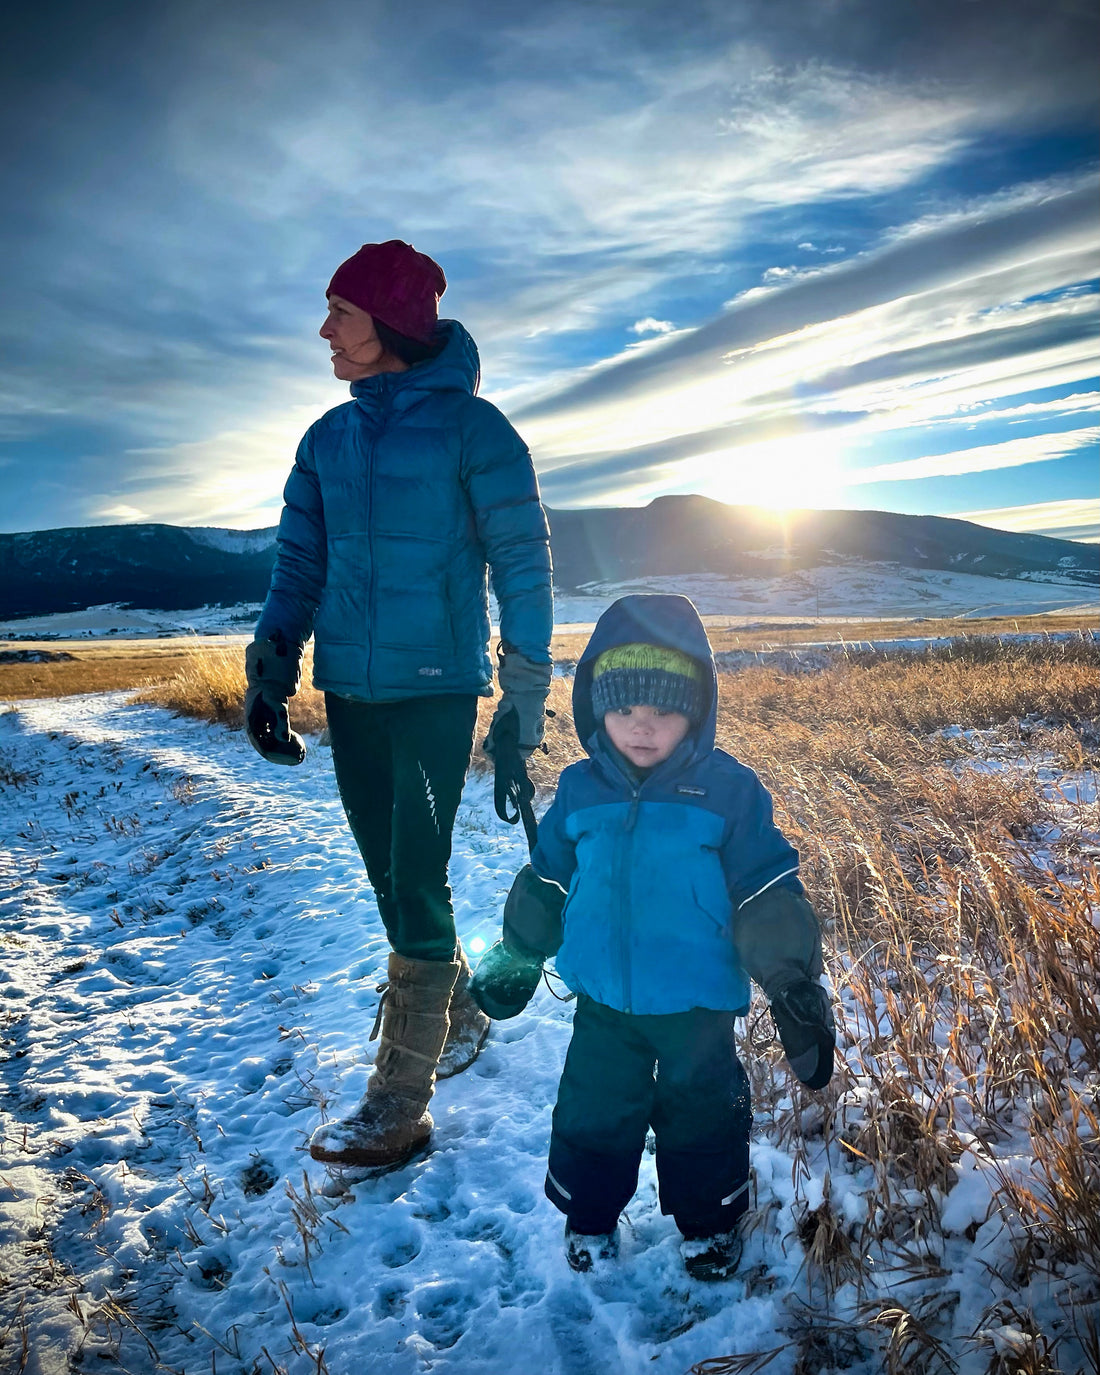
505 981
392 1123
803 1017
711 1258
468 1026
585 1250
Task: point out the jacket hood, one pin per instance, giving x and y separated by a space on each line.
664 619
456 367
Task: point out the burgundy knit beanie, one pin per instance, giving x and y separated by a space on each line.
395 284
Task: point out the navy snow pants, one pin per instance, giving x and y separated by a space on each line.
697 1105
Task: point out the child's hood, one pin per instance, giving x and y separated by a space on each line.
664 619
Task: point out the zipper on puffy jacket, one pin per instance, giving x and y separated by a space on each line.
384 408
626 855
372 454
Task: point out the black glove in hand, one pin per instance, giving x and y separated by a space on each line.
272 669
803 1017
267 725
504 982
523 689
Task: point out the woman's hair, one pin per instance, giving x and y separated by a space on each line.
410 351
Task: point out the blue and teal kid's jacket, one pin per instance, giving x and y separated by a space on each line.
398 503
655 868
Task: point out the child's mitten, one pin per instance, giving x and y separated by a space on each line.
532 915
504 982
803 1017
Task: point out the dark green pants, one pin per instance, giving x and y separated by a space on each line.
400 767
697 1104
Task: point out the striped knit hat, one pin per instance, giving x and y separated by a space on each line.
640 675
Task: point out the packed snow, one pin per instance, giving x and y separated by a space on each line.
191 961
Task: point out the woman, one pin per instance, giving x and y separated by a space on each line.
398 504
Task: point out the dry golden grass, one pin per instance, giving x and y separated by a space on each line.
725 633
960 895
847 631
116 664
209 683
981 683
90 672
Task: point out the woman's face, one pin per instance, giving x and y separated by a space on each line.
356 349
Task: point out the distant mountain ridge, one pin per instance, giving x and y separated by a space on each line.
169 567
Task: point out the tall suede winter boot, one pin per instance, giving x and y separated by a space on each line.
469 1026
392 1122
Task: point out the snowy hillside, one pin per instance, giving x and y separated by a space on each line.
171 568
851 589
855 589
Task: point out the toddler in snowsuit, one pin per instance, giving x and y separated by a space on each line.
661 884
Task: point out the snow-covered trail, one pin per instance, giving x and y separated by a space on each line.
190 960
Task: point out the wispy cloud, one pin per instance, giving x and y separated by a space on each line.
983 458
1076 519
969 278
986 413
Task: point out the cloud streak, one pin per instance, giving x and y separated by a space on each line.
936 325
1076 519
1012 453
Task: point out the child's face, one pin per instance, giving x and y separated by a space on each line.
645 735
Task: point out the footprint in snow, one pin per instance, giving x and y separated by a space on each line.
585 1346
258 1178
443 1308
403 1244
390 1301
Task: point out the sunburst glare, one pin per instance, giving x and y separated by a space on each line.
800 470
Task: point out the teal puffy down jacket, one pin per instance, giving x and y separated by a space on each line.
399 503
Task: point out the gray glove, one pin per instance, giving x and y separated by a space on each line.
523 689
273 670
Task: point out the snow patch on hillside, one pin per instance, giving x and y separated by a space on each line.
855 588
232 541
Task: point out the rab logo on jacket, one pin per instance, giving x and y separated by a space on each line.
430 672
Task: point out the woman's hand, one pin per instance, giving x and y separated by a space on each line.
273 674
523 689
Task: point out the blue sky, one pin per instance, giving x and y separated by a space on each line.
789 252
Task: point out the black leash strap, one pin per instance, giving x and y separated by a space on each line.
513 791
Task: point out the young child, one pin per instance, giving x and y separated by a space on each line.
661 883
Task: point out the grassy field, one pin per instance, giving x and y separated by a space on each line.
112 664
